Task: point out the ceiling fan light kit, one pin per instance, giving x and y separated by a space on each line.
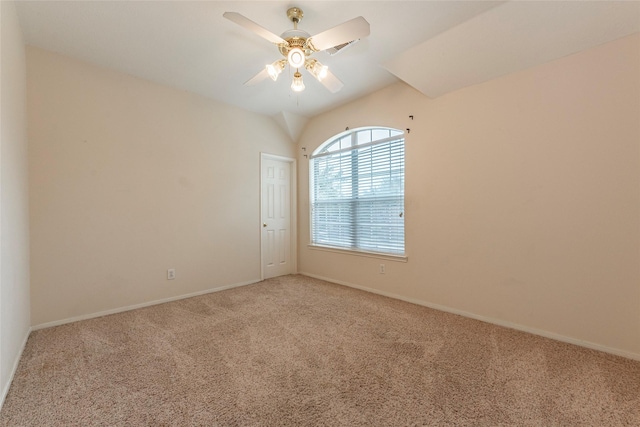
296 57
276 68
297 46
297 85
318 70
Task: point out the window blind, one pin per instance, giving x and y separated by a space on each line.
357 193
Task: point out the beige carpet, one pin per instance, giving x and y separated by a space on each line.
302 352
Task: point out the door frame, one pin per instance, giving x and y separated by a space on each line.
293 233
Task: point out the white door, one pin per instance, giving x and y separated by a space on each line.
276 217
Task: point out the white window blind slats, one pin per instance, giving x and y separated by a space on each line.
357 193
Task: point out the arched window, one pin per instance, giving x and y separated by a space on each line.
357 191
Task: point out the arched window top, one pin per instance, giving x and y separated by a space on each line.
353 138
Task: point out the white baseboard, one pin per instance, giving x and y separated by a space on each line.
14 369
136 306
516 326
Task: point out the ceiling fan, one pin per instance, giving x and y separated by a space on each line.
297 47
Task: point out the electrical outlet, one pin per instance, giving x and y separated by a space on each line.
382 269
171 274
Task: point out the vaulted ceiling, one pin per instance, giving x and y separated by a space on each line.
434 46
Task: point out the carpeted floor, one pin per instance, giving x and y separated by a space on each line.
297 351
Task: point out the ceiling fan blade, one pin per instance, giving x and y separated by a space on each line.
252 26
257 78
331 82
353 29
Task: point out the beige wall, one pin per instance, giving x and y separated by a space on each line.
129 178
522 198
14 210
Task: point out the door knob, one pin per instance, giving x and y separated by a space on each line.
264 224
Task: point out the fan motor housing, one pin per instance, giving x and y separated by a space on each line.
295 38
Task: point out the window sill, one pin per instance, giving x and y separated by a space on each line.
389 257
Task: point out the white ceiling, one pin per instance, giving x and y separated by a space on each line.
435 46
512 37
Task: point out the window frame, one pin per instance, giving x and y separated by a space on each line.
324 150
